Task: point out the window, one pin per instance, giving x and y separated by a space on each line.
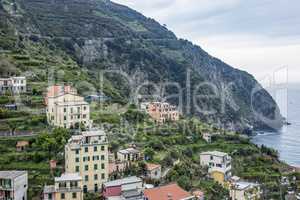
86 178
86 167
65 109
74 195
102 148
78 109
62 195
102 157
49 196
95 149
102 176
77 168
95 166
76 159
85 189
96 177
83 116
102 166
211 157
86 149
84 108
219 165
96 187
77 151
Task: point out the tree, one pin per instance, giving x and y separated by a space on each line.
149 153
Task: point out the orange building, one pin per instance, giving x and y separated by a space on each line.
161 112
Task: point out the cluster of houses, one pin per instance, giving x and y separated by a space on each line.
219 168
13 84
89 164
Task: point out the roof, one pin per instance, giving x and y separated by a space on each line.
128 151
151 166
68 177
11 174
214 153
22 143
124 181
241 185
172 191
94 132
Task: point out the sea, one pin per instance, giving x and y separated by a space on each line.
287 140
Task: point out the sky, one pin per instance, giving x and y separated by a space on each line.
261 37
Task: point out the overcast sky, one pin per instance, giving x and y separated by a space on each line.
259 36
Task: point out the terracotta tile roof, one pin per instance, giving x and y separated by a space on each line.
172 191
22 143
56 90
150 166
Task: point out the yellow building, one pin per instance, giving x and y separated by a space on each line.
161 112
65 108
68 187
87 154
219 165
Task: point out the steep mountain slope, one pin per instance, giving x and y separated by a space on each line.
99 34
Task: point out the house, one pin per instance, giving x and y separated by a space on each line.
22 145
243 190
96 98
130 188
87 154
161 112
199 195
129 155
218 163
153 171
13 84
65 108
13 185
207 137
168 192
68 186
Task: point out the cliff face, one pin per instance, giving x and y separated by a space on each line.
100 35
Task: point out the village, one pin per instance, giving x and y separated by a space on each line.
90 166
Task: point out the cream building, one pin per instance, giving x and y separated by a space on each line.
68 187
87 154
65 108
218 163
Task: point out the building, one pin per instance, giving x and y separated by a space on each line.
168 192
218 163
13 185
129 155
65 108
243 190
207 137
96 98
87 154
130 188
68 186
22 145
153 171
161 112
199 195
13 84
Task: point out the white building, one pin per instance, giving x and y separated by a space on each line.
243 190
153 171
128 155
65 108
218 163
68 186
13 185
87 154
207 137
13 84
